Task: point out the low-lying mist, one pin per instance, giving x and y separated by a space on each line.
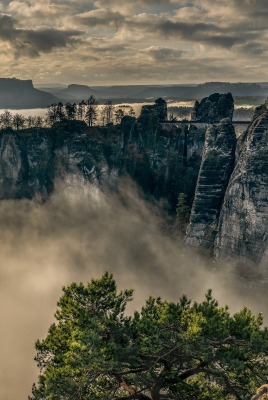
79 234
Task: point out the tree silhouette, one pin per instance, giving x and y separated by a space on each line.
91 110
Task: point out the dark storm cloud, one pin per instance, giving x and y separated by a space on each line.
199 32
208 33
129 40
31 43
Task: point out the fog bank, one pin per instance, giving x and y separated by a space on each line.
79 234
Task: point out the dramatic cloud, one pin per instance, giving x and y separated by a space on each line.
134 41
31 43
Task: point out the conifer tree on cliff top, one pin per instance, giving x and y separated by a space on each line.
183 350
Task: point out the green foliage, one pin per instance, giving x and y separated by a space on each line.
184 350
182 210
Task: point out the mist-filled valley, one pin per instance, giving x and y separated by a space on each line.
171 207
134 200
78 234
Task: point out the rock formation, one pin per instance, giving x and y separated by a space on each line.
243 226
215 170
225 180
163 163
214 108
230 210
15 93
157 110
261 394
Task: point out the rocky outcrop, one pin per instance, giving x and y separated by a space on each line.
13 166
242 237
261 394
78 155
216 168
214 108
163 163
157 112
225 179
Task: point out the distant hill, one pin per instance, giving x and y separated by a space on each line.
237 89
15 93
137 93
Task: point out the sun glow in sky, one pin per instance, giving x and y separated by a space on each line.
98 42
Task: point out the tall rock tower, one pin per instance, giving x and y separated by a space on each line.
242 237
214 108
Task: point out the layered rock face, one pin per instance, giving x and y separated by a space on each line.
261 394
215 170
242 237
214 108
225 179
163 163
13 169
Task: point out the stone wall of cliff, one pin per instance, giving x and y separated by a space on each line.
163 164
242 237
216 167
225 179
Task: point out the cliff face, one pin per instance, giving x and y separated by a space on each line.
225 180
242 238
163 163
26 165
13 168
216 168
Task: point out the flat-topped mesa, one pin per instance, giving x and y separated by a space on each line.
214 108
215 170
14 83
16 93
242 239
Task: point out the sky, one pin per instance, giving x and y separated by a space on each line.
106 42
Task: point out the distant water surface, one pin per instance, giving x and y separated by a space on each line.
125 106
34 112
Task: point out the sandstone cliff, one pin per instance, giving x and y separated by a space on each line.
214 108
225 180
243 228
163 163
216 168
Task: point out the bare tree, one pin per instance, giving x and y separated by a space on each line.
119 114
70 110
18 121
6 119
132 112
91 110
81 110
107 113
29 122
